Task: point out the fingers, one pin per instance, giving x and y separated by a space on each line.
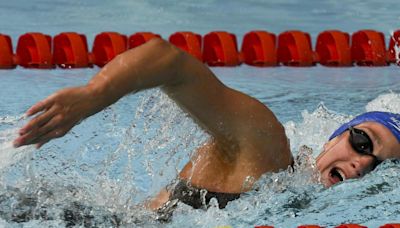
56 133
43 135
56 115
38 121
32 133
40 106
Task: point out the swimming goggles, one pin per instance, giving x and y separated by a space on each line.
363 145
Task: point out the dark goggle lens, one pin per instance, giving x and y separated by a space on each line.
360 141
362 144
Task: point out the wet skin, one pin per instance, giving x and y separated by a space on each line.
247 140
338 153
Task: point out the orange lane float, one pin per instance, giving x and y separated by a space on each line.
394 48
309 226
140 38
106 46
189 42
71 50
259 49
6 53
333 48
350 226
34 51
220 49
368 48
294 49
393 225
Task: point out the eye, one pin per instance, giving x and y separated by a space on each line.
365 146
360 141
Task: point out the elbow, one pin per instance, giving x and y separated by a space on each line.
172 57
166 50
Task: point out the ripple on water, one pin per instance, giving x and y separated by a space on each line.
100 175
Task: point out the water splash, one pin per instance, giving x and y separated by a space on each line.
79 179
100 175
389 102
315 128
284 193
9 155
288 199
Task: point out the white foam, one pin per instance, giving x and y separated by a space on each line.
285 193
389 102
315 128
8 154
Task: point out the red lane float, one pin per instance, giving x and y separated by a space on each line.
34 51
351 226
368 48
6 53
394 48
71 50
106 46
140 38
294 49
259 49
189 42
333 48
220 49
309 226
394 225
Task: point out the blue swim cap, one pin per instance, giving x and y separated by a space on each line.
389 120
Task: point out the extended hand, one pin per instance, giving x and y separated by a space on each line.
59 113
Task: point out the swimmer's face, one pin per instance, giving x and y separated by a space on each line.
339 160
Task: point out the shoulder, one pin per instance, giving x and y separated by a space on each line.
262 144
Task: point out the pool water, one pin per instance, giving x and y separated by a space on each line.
101 173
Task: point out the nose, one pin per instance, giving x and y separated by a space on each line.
355 169
360 166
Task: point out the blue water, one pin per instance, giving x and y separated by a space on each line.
104 169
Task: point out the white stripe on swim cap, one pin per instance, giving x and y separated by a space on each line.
395 126
395 121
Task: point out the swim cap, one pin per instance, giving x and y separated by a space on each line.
389 120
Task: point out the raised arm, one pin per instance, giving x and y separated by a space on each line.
230 116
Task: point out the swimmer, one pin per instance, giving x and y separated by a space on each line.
247 139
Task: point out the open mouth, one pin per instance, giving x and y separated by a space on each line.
337 175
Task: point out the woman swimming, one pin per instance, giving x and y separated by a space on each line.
247 139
